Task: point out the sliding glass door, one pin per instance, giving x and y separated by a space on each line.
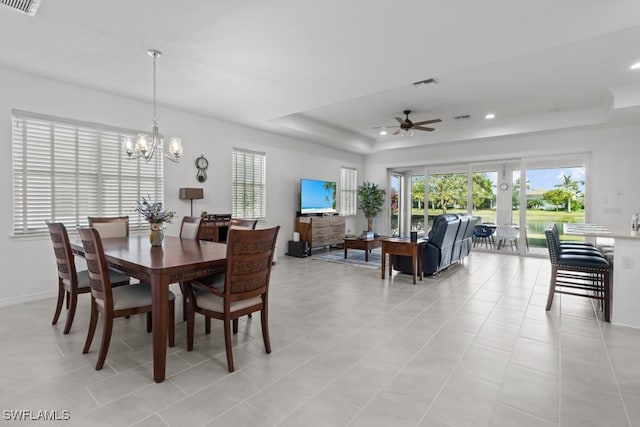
516 196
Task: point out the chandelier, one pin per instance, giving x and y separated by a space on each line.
143 145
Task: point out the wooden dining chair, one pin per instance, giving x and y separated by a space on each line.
114 302
241 290
243 223
112 226
189 229
70 281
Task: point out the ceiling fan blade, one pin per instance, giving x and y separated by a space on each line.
384 127
396 132
426 122
402 121
423 128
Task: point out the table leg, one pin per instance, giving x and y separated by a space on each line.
390 264
345 251
383 260
160 309
414 266
366 255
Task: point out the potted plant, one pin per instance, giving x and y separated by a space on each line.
157 216
370 201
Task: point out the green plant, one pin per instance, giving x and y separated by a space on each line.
154 212
370 201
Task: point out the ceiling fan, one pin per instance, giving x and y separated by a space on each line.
408 126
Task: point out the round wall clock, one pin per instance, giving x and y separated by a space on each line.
202 164
504 186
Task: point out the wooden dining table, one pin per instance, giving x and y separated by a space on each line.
177 260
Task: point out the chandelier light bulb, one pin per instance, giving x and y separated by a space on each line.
175 147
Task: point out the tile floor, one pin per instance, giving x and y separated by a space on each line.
472 347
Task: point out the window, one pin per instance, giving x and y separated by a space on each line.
66 170
248 184
348 191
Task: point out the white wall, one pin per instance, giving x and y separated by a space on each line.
614 191
28 265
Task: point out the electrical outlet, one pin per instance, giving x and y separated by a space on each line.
627 262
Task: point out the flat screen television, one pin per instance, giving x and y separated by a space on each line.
317 197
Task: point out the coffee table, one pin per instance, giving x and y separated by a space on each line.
365 245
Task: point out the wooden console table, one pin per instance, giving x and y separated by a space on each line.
320 231
214 228
396 246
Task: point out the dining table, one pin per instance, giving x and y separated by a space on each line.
176 260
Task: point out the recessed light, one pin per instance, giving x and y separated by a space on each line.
635 66
383 132
490 116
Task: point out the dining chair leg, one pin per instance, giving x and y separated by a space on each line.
191 320
106 340
235 326
71 313
207 325
59 303
93 322
149 322
183 290
172 323
228 343
265 329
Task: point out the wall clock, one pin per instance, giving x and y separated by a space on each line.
202 164
504 186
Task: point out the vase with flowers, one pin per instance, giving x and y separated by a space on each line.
155 213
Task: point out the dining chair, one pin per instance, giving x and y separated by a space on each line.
72 282
114 226
114 302
243 223
241 290
483 234
506 233
189 229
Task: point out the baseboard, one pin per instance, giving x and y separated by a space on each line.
28 298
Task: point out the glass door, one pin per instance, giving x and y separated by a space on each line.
555 193
395 199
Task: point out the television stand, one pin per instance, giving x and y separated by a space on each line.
319 231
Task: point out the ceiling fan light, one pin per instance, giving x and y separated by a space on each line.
406 132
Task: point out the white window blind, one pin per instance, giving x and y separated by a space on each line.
248 184
65 170
348 191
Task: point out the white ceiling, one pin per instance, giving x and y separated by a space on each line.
328 71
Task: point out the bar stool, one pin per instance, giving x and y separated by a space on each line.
579 272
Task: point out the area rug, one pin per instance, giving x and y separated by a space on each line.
354 257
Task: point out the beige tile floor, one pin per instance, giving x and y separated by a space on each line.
472 347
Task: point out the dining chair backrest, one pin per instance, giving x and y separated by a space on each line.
243 224
97 266
190 227
114 226
64 256
249 260
506 231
